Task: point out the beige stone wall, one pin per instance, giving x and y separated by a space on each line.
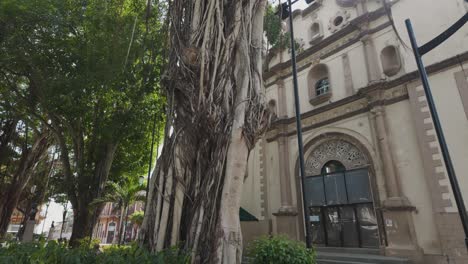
410 169
455 125
251 195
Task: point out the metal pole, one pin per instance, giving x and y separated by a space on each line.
298 126
439 132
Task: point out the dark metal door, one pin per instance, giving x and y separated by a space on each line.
341 211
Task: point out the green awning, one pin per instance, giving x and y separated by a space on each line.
246 216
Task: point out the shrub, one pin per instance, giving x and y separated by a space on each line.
58 253
279 250
86 243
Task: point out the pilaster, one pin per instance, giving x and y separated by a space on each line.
397 210
370 55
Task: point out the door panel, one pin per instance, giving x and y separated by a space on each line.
333 227
335 189
368 225
316 225
341 212
349 226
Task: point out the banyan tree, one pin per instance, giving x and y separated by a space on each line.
215 114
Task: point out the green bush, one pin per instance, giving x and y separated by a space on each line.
58 253
279 250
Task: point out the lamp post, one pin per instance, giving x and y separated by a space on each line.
418 53
286 11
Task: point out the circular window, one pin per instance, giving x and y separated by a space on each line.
338 20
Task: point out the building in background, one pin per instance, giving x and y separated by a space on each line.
108 223
376 182
17 220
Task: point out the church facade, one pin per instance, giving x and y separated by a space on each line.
375 177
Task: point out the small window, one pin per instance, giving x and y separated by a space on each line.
322 87
315 29
319 85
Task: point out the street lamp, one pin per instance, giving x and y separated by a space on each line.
286 11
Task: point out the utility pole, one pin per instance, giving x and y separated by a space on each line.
286 10
418 53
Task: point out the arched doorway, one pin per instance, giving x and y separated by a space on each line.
339 197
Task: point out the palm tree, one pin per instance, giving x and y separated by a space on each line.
137 219
122 195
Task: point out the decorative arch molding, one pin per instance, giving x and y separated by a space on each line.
329 133
337 148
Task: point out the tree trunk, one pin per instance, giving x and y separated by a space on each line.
8 130
28 162
217 112
84 219
7 206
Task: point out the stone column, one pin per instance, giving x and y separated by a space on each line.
391 180
285 179
348 76
282 102
29 231
397 210
370 55
286 218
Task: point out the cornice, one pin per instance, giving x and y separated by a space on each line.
368 97
353 27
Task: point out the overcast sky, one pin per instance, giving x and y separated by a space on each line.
301 4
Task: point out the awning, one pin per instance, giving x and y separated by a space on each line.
246 216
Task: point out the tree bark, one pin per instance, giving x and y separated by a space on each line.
8 130
217 112
28 162
90 188
82 218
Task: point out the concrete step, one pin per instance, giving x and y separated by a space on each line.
368 251
350 258
321 261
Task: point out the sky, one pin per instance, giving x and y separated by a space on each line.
301 4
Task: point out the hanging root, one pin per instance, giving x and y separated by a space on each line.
217 112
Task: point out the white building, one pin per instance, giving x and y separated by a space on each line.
375 175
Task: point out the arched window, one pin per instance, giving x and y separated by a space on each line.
333 166
390 59
315 32
319 85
